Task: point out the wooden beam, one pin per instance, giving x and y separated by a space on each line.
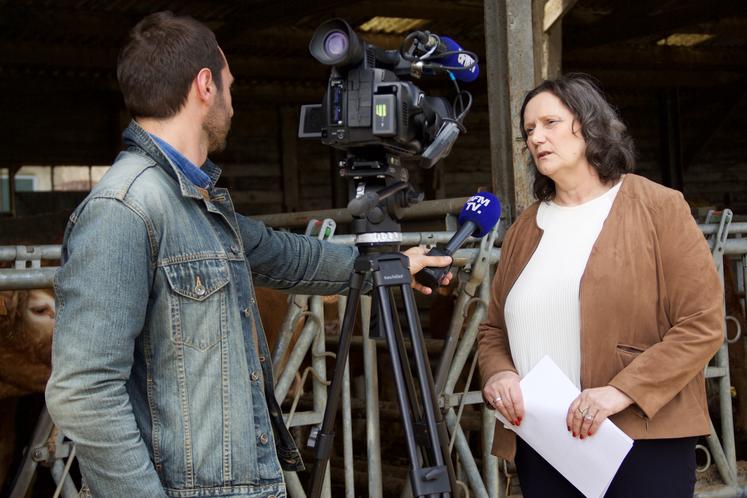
548 36
58 55
552 52
68 22
660 57
538 11
268 13
73 58
554 11
414 9
657 78
620 25
256 197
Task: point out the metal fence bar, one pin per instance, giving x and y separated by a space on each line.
30 278
283 384
489 462
724 492
347 419
463 449
296 306
63 480
40 278
735 228
14 253
723 450
425 209
373 422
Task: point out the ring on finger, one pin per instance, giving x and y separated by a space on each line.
588 417
583 412
497 399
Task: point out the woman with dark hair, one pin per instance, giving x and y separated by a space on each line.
598 274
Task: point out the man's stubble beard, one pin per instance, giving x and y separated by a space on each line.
216 126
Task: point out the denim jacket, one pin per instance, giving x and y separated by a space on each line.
161 371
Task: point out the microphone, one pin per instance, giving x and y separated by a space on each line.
457 57
477 218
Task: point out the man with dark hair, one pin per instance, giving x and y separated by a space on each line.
161 371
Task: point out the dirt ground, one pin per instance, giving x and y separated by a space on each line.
710 479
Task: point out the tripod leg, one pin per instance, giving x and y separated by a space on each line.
406 368
434 480
437 432
399 378
326 434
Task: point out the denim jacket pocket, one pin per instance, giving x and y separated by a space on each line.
197 297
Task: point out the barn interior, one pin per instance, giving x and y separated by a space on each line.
675 69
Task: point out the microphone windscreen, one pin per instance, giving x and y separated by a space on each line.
484 210
457 60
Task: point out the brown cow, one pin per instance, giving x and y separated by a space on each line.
273 307
26 324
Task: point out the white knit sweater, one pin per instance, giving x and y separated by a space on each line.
542 309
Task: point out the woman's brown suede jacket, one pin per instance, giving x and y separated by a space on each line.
651 312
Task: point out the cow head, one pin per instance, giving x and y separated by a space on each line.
26 325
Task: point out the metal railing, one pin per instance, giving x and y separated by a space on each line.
475 267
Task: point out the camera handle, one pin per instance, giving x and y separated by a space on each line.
426 436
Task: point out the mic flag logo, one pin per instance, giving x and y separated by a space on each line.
465 60
483 210
381 110
476 202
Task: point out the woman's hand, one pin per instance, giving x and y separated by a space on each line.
592 406
503 392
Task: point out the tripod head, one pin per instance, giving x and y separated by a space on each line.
379 190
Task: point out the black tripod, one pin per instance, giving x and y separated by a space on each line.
426 437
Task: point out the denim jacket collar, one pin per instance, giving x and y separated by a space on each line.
135 136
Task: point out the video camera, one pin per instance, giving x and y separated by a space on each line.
367 105
380 119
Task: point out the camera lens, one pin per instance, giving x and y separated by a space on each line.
336 44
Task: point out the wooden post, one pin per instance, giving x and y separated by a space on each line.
552 13
289 157
533 54
521 77
496 72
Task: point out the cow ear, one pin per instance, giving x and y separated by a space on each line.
9 302
4 304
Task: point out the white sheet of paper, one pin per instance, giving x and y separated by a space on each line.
589 464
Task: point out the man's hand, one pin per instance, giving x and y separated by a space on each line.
418 261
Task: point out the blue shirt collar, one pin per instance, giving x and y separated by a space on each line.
192 172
